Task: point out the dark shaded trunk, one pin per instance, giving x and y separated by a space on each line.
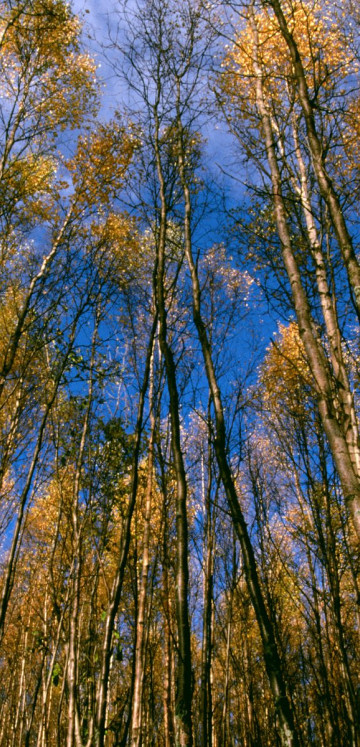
289 735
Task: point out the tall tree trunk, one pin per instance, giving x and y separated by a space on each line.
346 408
167 694
206 650
183 674
140 649
289 735
73 735
326 186
72 668
20 708
316 356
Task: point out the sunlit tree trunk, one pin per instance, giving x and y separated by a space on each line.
168 696
20 708
207 635
328 302
325 183
317 360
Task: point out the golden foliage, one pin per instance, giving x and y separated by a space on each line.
101 161
259 45
121 250
47 85
285 374
30 180
40 58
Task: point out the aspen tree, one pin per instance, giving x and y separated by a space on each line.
262 66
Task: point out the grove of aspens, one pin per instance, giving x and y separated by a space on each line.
179 373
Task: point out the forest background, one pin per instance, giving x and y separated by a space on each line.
179 374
